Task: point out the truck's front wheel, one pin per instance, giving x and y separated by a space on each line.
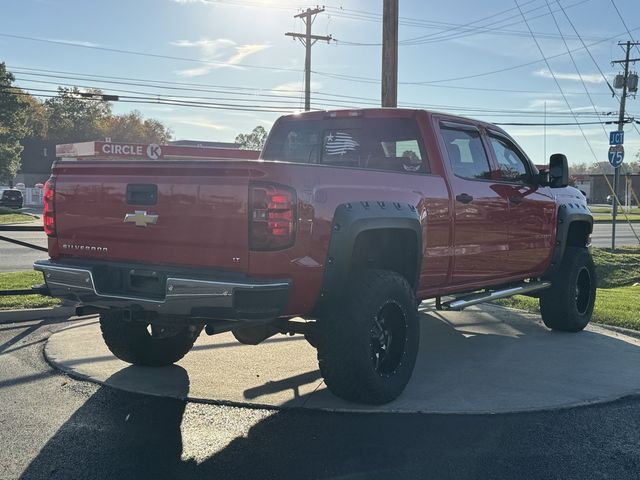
568 304
368 345
142 344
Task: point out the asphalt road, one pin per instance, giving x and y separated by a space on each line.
14 257
55 427
601 236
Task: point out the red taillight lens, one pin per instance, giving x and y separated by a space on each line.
48 211
271 216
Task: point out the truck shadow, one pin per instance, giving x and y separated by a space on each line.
117 434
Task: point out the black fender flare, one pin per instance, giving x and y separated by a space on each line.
568 214
349 221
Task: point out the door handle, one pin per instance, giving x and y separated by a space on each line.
464 198
516 200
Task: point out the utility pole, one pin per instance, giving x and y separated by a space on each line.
390 53
308 40
623 83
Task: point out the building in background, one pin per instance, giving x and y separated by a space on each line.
597 189
38 155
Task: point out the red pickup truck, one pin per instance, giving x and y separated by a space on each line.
346 222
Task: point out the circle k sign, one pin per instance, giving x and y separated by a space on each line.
154 152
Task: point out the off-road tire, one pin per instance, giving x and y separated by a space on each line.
350 341
131 342
568 305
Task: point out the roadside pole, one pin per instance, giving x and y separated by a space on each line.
616 151
390 54
308 40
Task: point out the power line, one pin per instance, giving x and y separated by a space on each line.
613 92
143 97
211 88
146 54
624 24
568 124
329 75
569 106
357 79
575 65
453 36
445 27
330 101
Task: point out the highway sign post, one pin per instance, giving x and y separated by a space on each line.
616 155
616 138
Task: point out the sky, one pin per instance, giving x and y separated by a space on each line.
230 60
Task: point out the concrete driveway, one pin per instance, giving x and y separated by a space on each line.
483 360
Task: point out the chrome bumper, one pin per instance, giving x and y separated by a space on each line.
182 295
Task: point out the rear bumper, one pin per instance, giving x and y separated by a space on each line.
198 294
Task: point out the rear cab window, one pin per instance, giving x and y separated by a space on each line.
391 144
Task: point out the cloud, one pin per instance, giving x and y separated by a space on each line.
194 72
594 78
550 104
295 88
244 51
217 53
201 122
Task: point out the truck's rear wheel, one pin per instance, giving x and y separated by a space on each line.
142 344
568 304
368 345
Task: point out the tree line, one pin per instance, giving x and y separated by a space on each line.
67 117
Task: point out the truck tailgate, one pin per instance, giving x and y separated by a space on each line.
169 213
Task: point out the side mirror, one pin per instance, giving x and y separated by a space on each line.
558 171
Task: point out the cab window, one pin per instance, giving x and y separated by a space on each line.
511 165
466 153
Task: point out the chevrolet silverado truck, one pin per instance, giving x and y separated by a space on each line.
344 224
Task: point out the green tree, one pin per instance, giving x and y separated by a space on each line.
73 117
254 140
14 125
35 114
132 127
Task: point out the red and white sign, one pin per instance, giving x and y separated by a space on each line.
152 151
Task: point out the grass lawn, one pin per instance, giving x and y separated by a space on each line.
635 210
16 280
633 217
603 214
12 216
617 299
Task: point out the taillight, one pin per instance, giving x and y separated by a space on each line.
272 216
48 212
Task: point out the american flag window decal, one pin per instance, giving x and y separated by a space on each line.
339 143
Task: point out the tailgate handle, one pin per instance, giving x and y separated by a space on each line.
142 194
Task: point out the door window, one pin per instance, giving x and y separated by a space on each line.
466 154
512 166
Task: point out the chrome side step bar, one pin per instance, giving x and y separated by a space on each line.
461 303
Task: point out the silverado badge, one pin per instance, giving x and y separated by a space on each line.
141 218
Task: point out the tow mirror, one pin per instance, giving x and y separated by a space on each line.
558 171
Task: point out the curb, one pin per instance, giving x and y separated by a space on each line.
14 316
621 330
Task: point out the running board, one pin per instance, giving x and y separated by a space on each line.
461 303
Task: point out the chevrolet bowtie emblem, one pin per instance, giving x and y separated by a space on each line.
141 218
